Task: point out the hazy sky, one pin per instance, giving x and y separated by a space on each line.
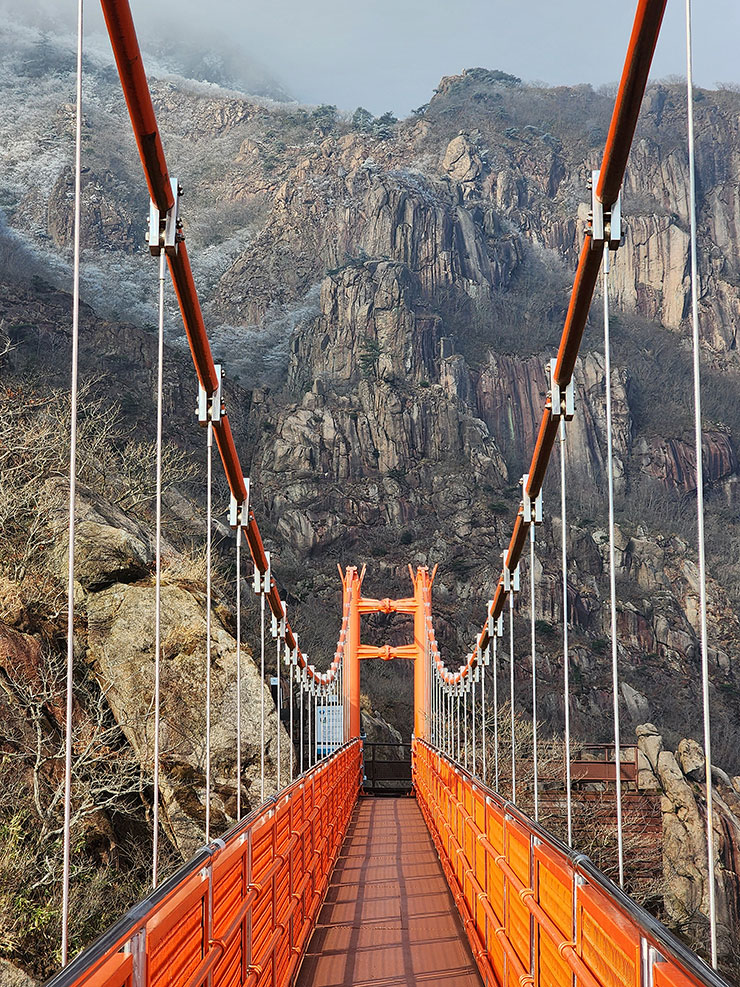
390 54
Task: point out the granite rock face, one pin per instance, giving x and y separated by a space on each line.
680 777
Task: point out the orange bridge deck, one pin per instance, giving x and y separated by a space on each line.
388 917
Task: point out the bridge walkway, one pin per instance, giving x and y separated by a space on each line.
388 917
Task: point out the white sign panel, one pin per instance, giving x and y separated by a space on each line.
328 729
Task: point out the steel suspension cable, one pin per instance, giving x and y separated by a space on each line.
535 753
238 672
310 744
440 698
457 711
442 714
432 696
292 731
446 720
279 711
698 444
300 683
511 696
465 723
433 680
472 718
340 705
67 840
566 669
209 592
612 566
158 573
495 711
483 722
262 694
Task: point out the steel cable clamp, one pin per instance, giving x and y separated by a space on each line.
605 224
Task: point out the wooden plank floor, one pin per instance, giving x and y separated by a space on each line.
389 917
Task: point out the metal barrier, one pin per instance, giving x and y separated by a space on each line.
385 771
534 911
241 911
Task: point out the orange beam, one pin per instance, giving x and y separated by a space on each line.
386 652
648 18
369 605
127 53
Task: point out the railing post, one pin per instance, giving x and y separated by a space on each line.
137 948
208 917
248 952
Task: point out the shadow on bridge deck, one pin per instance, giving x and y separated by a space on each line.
388 917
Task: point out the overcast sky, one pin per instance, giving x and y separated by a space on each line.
390 54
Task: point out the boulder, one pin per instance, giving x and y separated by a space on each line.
650 743
691 759
121 650
110 546
461 161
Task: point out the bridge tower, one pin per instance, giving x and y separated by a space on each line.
418 605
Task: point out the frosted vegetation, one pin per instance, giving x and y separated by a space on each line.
36 151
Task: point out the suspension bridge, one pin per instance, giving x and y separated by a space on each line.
320 885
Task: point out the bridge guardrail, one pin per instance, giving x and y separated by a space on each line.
242 909
535 911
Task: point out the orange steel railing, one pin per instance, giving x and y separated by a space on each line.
535 912
241 911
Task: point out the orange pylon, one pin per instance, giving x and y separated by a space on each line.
417 605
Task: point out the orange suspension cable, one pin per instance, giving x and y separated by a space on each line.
648 19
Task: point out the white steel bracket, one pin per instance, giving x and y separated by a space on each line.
490 628
532 511
261 582
278 627
165 231
606 225
209 405
511 579
239 513
563 399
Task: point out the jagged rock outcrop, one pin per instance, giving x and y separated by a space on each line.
114 561
680 777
